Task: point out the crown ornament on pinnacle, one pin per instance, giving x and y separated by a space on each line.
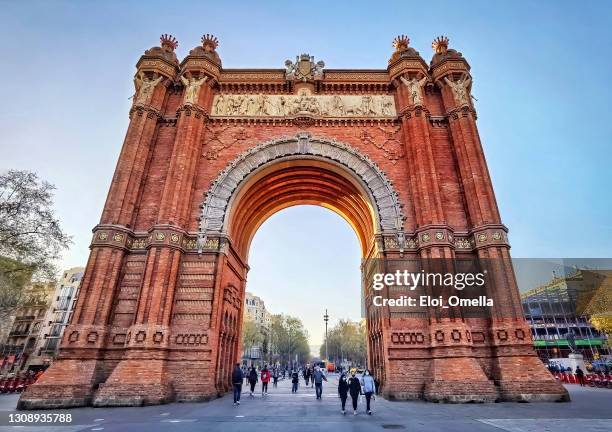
401 42
209 42
168 41
440 44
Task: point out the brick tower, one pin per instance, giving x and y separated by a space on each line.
210 153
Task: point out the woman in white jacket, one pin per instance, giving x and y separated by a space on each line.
369 388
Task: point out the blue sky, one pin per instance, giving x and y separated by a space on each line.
541 72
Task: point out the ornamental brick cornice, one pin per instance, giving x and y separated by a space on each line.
188 110
458 112
120 237
252 76
449 66
297 121
429 236
201 64
140 109
407 65
489 235
157 65
412 111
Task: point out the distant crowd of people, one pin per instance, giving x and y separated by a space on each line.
314 376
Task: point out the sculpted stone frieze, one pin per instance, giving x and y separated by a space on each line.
329 106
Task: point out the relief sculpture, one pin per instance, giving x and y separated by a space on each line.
261 105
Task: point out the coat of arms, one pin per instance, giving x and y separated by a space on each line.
304 68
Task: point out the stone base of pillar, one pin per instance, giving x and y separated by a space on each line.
136 382
461 391
458 380
526 379
65 384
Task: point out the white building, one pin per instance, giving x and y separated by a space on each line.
255 310
59 313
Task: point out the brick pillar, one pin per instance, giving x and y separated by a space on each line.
142 376
452 351
81 363
514 366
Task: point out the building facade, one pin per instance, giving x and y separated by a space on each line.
59 314
255 311
211 152
563 306
19 350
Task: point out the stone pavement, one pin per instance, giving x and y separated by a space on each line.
282 411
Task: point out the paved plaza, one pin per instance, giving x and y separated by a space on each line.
282 411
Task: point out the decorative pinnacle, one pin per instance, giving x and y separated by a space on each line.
168 41
401 42
209 42
440 44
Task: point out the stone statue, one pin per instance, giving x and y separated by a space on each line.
192 89
290 69
144 88
317 69
415 88
459 89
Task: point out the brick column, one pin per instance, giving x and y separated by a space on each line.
143 376
450 349
81 363
514 366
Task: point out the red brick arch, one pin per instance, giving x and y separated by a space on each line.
159 312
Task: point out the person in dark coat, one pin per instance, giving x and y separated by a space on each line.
295 379
580 376
237 378
354 390
343 388
252 379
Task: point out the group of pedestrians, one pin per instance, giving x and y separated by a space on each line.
356 387
347 384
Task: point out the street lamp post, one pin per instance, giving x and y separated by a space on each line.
326 318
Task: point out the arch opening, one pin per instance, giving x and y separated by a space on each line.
300 170
299 181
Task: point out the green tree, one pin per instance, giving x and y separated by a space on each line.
288 338
31 238
346 341
252 334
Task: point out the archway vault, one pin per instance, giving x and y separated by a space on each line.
300 170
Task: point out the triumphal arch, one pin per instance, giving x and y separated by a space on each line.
210 153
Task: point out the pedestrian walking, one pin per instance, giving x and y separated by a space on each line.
265 379
354 390
580 376
252 379
306 374
343 388
311 372
295 379
318 377
275 377
368 388
237 377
